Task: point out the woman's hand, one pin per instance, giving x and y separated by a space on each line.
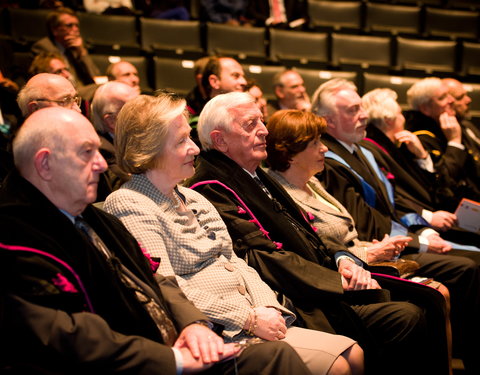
270 324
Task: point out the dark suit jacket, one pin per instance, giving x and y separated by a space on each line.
458 169
344 185
83 316
83 69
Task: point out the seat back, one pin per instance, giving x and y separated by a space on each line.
110 34
298 47
451 23
315 77
263 76
246 44
470 58
171 38
174 74
335 15
393 19
426 55
27 25
361 50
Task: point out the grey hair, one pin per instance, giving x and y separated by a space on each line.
423 91
323 102
218 114
380 104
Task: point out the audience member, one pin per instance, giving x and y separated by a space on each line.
290 92
78 294
461 107
255 90
125 72
295 154
278 13
47 90
197 97
401 154
274 237
212 277
164 9
116 7
433 120
64 38
107 103
354 178
230 12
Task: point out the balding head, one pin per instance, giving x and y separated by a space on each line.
56 150
47 90
461 100
107 102
125 72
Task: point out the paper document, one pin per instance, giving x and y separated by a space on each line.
468 215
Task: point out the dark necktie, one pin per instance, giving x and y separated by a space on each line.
264 188
144 294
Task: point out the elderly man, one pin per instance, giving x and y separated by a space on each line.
290 92
125 72
268 229
64 38
107 103
353 176
432 119
77 293
47 90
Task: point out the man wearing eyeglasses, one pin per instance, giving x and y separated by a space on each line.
64 38
47 90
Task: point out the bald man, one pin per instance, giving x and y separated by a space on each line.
125 72
107 103
77 293
47 90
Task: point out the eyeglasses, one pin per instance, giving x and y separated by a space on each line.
67 102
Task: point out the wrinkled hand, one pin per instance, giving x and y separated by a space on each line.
412 142
443 220
450 127
192 365
270 323
204 345
387 249
75 43
437 244
355 277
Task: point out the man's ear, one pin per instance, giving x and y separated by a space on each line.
279 92
109 121
32 106
41 161
218 141
330 123
425 109
214 81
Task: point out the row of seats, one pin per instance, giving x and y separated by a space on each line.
192 39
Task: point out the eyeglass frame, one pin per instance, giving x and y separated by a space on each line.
69 100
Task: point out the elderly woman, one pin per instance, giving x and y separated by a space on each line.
182 230
295 156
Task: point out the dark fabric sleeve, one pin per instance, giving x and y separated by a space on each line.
85 339
338 181
285 270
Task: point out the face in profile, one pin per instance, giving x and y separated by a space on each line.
76 166
246 141
311 160
178 156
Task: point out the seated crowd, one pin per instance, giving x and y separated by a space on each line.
218 233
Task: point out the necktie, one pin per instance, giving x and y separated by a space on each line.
144 294
264 188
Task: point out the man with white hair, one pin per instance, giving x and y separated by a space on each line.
271 233
433 120
78 294
107 103
354 177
